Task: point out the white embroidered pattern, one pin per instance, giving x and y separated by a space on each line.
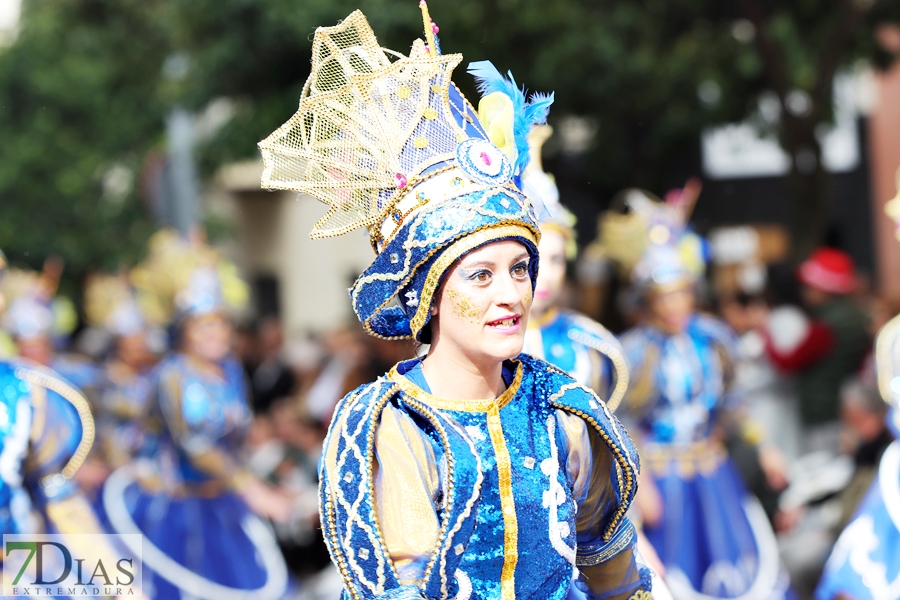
555 497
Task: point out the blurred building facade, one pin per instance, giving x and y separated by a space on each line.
303 280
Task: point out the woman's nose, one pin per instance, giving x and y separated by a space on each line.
508 293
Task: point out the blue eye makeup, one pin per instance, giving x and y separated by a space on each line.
474 275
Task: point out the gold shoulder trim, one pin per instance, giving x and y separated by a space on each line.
598 340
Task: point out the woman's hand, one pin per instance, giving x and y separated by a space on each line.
774 466
267 501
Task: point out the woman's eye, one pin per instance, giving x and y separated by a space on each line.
481 276
520 270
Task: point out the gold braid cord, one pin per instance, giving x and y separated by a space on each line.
77 400
369 121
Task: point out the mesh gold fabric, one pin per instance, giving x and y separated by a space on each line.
369 122
102 294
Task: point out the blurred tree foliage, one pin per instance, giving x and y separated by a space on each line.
85 89
80 106
646 75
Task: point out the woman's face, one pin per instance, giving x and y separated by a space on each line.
672 309
133 350
482 306
552 275
208 337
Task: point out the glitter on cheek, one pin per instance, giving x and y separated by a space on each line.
463 307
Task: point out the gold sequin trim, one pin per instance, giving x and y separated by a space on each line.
458 404
507 504
455 251
76 399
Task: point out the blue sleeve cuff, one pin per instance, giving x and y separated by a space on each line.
595 553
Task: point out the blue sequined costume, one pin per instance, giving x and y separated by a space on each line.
714 538
518 498
46 433
200 539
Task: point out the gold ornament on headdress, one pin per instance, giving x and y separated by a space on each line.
102 295
367 125
171 262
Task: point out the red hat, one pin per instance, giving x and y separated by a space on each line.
829 270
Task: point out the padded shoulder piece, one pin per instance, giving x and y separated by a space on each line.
592 334
347 496
562 392
41 376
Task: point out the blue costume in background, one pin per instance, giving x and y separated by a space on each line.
865 562
119 402
200 539
582 348
714 538
46 432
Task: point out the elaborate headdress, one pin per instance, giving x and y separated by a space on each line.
110 303
32 308
182 277
652 241
390 144
540 187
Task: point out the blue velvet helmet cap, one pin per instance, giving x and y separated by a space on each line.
389 143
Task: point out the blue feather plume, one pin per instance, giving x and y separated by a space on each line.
528 113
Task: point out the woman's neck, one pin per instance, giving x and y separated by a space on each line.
453 375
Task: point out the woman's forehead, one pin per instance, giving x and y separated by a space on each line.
494 252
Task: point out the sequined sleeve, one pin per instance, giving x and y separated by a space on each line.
407 487
608 566
202 451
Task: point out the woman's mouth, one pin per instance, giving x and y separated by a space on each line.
542 294
506 325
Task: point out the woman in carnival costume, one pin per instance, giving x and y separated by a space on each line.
46 432
576 344
38 319
456 475
865 562
119 398
189 494
566 339
712 536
